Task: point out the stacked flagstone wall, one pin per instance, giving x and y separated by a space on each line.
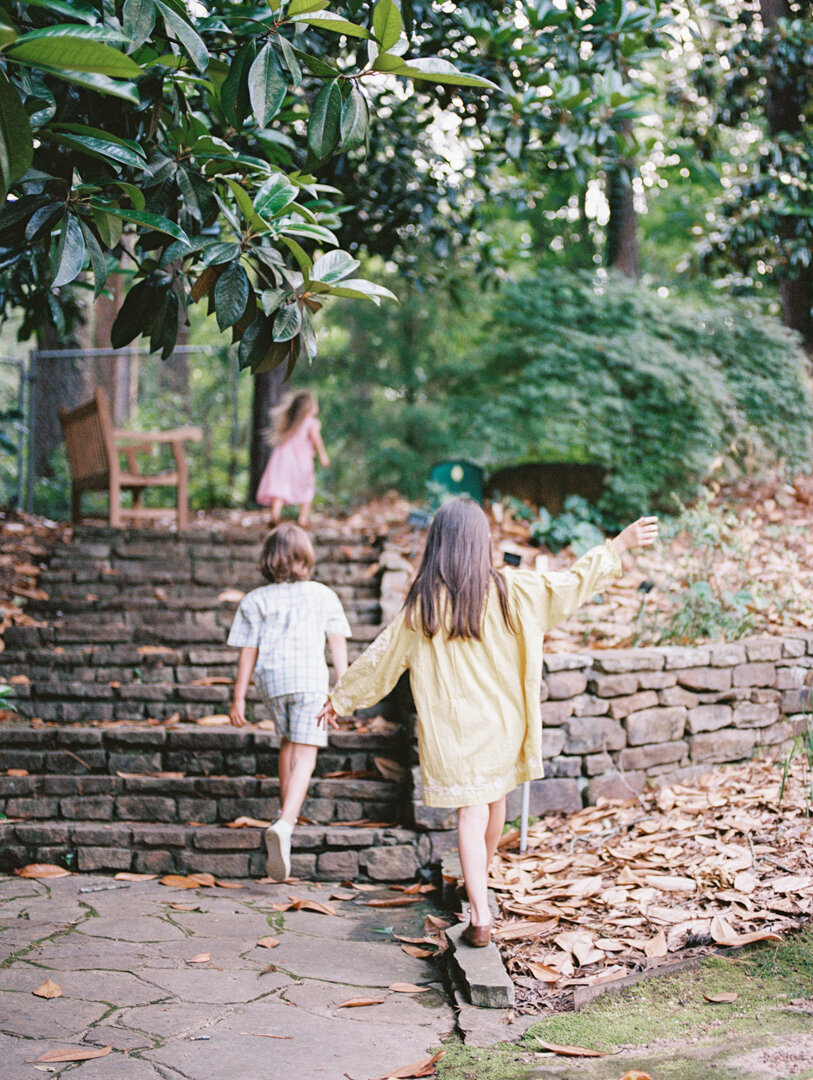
617 720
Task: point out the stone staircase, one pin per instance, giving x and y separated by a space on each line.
110 768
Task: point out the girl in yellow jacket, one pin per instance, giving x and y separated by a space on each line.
471 638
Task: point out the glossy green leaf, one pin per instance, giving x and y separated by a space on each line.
100 148
101 84
275 194
291 62
325 119
287 322
302 7
69 257
234 93
186 34
308 337
387 23
136 315
355 120
109 227
303 259
231 295
7 33
305 228
156 222
242 198
135 193
44 218
330 20
431 69
254 342
333 266
267 86
71 53
138 20
361 289
97 259
220 252
76 30
71 9
16 149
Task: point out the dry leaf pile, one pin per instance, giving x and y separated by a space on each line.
25 541
621 887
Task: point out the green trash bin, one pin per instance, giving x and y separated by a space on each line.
459 478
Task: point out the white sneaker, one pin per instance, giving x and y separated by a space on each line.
278 848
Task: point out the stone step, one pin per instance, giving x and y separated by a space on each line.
196 751
181 605
202 799
318 852
122 575
169 633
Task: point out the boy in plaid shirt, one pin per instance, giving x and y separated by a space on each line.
281 630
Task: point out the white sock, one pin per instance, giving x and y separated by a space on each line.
284 827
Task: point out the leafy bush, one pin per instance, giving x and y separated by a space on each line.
652 388
579 526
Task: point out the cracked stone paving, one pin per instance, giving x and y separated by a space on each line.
121 957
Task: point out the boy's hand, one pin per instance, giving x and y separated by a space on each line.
237 714
328 716
642 533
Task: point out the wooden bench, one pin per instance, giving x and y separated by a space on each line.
94 445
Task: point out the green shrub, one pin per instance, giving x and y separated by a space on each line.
579 526
652 388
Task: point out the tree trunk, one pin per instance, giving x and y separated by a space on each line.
57 381
783 112
269 388
622 228
116 373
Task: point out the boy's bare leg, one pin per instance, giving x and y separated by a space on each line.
284 768
472 823
300 765
276 511
304 513
496 824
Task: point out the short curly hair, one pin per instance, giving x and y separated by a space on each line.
287 555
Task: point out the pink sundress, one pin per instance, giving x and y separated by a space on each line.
289 474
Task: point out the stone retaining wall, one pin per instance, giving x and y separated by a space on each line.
617 720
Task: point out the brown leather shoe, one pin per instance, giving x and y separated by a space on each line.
477 936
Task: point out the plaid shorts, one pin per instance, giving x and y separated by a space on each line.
294 717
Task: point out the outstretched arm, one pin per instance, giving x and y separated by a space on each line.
371 677
565 591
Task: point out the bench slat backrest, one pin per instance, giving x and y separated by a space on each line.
88 432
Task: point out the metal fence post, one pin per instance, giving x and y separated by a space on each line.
31 428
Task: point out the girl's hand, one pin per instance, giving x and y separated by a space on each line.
237 714
328 716
642 533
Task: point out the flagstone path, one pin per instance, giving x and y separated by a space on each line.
121 957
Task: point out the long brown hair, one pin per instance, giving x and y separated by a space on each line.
289 414
455 574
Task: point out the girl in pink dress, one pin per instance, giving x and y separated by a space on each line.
289 475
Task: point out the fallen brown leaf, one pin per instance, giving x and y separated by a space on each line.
125 875
721 999
153 650
42 870
636 1074
228 884
262 1035
201 958
355 1003
247 823
417 1069
179 881
570 1051
207 880
413 950
16 772
184 907
393 901
48 989
214 720
408 988
268 942
75 1054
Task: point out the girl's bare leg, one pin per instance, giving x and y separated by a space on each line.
300 763
472 824
496 823
276 510
304 511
